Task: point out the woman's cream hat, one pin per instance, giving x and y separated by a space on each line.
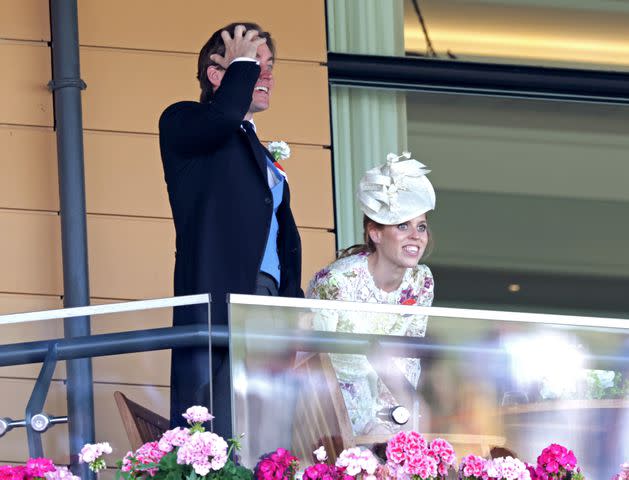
396 191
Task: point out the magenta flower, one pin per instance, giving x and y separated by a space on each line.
9 472
278 465
323 471
556 462
39 467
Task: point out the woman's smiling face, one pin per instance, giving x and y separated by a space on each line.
402 245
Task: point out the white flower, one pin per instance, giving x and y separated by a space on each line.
356 460
321 454
280 150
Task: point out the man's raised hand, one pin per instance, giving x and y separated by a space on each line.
244 44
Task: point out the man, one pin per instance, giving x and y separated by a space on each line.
231 205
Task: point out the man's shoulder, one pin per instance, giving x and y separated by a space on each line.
184 105
181 105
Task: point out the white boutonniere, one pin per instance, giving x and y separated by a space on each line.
280 151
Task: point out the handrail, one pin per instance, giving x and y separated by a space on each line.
50 351
468 314
167 302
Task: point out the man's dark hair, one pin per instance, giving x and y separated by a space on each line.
216 45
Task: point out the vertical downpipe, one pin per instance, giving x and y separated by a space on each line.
66 85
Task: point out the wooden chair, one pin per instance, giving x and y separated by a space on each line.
141 424
496 452
321 417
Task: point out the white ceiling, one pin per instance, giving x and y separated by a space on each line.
592 34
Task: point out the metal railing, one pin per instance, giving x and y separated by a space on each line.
36 421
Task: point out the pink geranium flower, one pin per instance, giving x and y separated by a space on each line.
409 455
624 472
197 414
472 467
443 453
173 438
204 451
506 468
61 473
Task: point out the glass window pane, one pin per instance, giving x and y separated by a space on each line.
523 185
560 33
518 381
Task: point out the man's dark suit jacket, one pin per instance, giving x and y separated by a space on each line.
222 207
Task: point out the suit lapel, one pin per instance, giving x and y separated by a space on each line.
258 150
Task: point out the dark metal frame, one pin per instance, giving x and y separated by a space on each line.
85 347
474 78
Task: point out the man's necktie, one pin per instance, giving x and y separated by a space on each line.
250 131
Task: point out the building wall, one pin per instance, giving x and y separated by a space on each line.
136 57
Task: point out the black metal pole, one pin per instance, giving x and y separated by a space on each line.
67 85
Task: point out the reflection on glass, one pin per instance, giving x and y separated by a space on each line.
483 383
562 33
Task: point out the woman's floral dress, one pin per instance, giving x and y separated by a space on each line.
349 279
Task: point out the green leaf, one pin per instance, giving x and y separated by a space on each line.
192 475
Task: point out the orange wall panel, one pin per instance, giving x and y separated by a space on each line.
300 110
128 90
24 20
30 252
28 162
309 172
319 249
124 176
134 257
185 27
24 96
130 258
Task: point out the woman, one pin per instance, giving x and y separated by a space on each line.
395 198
